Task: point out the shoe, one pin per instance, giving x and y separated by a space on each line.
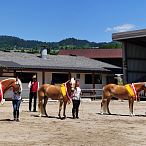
77 117
34 111
73 117
14 119
17 120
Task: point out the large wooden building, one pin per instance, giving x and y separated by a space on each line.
134 54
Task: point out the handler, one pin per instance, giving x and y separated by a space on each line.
16 101
33 85
76 100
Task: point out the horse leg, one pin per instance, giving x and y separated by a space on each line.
103 106
64 115
60 108
40 108
108 101
44 106
131 102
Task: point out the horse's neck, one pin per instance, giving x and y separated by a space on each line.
6 84
138 87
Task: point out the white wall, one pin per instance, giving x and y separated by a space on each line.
48 78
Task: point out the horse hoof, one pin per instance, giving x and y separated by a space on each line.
40 115
3 101
131 114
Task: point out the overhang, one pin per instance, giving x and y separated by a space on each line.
129 35
137 37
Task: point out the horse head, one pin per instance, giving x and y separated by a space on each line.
15 83
5 84
73 84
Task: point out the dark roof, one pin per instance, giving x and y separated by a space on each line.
129 34
94 53
53 62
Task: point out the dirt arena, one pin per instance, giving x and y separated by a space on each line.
92 129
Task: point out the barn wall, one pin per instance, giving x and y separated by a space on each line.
136 60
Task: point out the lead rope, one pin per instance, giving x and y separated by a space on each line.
133 87
67 93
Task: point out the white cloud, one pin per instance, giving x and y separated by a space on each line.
121 28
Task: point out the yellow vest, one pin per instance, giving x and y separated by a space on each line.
63 89
130 90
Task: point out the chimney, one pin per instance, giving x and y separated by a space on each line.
44 51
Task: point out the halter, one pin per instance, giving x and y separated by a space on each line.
67 94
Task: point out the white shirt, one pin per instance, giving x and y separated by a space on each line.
77 93
16 97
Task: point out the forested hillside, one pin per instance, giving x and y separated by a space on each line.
8 43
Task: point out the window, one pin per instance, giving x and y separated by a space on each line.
59 78
25 77
78 76
97 79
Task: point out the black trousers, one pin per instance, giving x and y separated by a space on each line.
32 95
75 109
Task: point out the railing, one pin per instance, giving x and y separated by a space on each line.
92 93
86 93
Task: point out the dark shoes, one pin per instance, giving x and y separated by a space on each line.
32 111
15 119
75 117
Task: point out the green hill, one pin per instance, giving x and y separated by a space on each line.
14 43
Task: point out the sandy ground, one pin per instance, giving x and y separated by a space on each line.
92 129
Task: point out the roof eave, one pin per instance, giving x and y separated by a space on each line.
128 35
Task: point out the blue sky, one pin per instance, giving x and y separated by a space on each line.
55 20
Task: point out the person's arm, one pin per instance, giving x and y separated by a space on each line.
29 84
38 85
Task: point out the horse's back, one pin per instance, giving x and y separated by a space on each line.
114 90
51 91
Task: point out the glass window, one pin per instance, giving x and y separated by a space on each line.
89 80
25 77
78 76
59 78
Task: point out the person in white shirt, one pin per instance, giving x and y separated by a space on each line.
76 100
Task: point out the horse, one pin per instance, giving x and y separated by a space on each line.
6 84
56 92
128 91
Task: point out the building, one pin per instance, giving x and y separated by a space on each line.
56 68
112 56
134 54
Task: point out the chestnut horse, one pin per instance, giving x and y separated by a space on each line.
5 84
55 92
128 91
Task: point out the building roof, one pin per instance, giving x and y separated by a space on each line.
16 60
129 35
94 53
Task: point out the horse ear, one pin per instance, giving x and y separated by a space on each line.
16 79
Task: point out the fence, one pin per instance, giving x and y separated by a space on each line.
86 93
92 93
